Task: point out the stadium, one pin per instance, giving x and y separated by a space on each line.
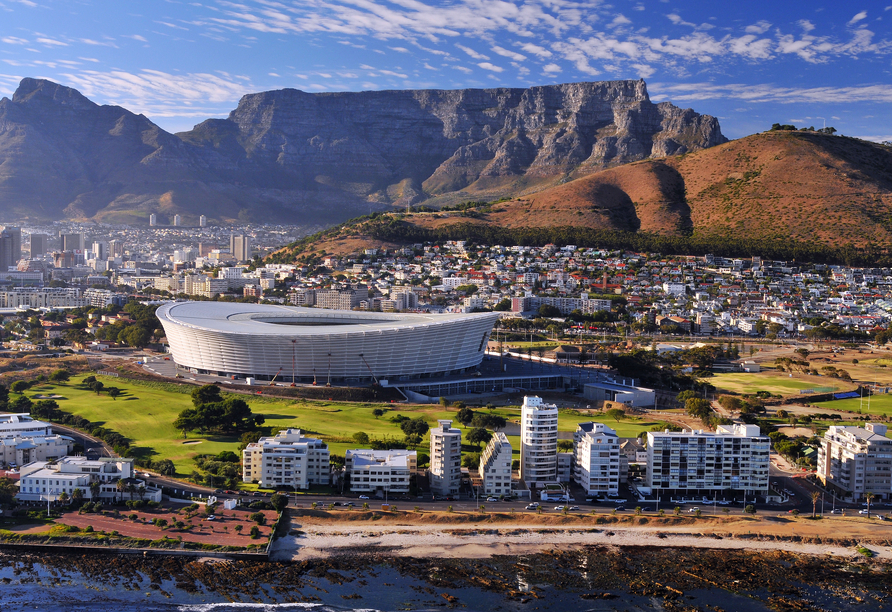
312 345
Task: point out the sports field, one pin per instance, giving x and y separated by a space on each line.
880 404
145 415
778 384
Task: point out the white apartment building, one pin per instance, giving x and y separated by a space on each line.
21 450
538 441
48 297
21 424
733 458
287 459
445 468
597 458
380 472
857 460
495 465
46 480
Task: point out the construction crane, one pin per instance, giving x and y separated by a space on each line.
272 383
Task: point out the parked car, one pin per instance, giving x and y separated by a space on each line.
560 508
694 509
492 499
363 497
573 508
532 506
836 511
620 508
864 511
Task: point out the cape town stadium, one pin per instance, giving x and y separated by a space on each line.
314 344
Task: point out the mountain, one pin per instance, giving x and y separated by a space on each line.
790 190
319 158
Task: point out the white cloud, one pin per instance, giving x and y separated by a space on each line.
273 74
620 20
472 53
464 69
643 70
136 37
507 53
399 49
49 42
860 16
13 40
491 67
551 69
677 20
392 73
772 93
536 50
760 27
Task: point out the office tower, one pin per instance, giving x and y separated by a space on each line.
153 220
177 220
16 233
38 244
72 242
115 248
202 221
100 250
240 247
538 441
8 257
445 470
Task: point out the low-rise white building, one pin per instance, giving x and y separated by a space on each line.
377 472
21 424
21 450
597 458
97 480
733 458
287 459
857 460
495 465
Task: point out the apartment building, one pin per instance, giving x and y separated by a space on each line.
22 424
287 459
445 467
596 456
48 297
538 441
21 450
341 299
97 479
857 460
733 458
495 465
380 472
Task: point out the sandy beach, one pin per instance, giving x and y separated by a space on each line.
315 537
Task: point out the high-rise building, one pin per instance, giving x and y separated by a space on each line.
734 458
177 221
153 220
853 461
38 244
115 248
445 469
495 465
72 242
16 233
596 459
8 257
538 441
240 247
202 221
100 250
287 459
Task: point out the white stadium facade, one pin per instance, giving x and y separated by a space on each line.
313 344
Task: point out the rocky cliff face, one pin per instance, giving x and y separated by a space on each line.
296 155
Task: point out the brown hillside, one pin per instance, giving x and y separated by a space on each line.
799 185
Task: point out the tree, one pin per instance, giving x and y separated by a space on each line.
19 386
868 497
77 495
378 412
361 437
279 502
698 407
489 421
60 376
465 416
815 496
479 436
415 426
8 490
95 487
97 386
113 392
206 394
565 446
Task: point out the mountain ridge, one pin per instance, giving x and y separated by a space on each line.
289 154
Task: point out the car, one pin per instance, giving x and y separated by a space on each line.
836 511
572 508
647 509
532 507
211 518
348 504
492 499
616 500
620 508
561 508
864 511
337 504
363 497
694 509
218 491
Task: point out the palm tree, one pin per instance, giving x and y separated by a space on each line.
77 496
141 491
121 486
63 497
131 488
95 487
868 497
815 496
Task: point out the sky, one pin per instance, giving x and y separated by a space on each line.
749 63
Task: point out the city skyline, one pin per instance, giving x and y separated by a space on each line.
750 64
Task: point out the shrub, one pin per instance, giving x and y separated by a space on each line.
255 532
258 517
88 529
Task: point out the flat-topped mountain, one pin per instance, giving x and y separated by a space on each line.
307 158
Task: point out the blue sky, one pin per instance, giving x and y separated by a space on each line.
749 63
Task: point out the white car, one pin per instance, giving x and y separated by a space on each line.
492 499
363 497
532 507
692 510
864 511
560 508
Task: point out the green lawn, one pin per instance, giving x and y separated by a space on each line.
145 415
780 384
879 404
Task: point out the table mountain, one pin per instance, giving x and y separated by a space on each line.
317 158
